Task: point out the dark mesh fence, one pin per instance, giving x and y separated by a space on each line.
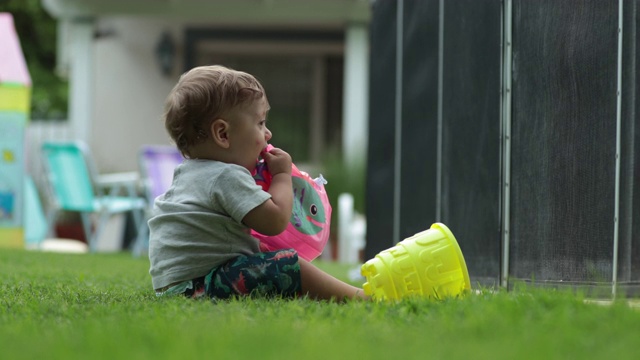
419 117
629 245
471 132
563 190
380 169
563 140
468 92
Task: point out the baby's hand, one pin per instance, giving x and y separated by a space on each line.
278 161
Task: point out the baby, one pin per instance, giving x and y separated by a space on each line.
200 242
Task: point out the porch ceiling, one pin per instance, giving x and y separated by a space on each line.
229 11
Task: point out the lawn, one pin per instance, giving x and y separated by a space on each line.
100 306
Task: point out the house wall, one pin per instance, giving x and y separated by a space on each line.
129 90
123 98
117 91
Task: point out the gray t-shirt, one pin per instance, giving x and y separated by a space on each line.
197 224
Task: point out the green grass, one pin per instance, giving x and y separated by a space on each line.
100 306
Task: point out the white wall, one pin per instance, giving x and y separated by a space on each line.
126 95
129 90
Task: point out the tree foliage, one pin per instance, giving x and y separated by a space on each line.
37 32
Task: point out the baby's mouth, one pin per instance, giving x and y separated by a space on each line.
266 149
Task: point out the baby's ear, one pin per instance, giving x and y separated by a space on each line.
220 133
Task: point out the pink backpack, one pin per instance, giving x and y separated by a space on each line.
309 227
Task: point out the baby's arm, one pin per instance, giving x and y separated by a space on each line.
272 216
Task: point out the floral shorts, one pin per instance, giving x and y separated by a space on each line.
267 274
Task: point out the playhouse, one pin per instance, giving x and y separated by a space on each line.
15 99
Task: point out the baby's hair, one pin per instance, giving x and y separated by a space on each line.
201 95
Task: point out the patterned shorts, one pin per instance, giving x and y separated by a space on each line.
266 274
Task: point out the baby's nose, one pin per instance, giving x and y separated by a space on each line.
267 135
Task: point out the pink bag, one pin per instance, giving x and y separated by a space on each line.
309 226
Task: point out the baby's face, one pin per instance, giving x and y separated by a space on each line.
248 132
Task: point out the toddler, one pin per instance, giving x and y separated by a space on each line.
200 241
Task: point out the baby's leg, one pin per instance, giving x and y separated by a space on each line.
269 274
277 273
317 284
